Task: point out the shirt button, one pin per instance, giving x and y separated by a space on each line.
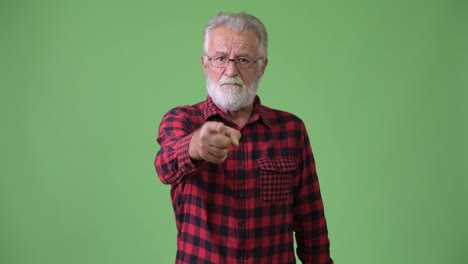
241 194
242 224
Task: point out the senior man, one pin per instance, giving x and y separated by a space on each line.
242 175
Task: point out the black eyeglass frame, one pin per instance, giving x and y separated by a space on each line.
236 61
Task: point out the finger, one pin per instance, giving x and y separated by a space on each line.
217 160
217 153
220 141
233 134
214 127
221 127
216 156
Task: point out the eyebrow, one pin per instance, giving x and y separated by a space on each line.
238 55
243 55
220 53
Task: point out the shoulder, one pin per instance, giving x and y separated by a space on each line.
279 117
185 110
185 115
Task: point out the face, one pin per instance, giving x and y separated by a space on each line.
232 88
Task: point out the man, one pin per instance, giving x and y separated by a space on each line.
242 175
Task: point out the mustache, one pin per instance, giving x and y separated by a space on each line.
229 80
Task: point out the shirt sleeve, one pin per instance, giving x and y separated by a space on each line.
313 245
172 161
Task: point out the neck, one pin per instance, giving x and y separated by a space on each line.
239 117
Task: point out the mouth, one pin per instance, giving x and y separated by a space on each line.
230 84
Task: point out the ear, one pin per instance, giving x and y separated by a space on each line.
204 65
264 65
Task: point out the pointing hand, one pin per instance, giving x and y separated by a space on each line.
212 142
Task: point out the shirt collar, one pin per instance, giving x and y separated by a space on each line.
259 113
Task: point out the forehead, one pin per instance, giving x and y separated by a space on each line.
225 40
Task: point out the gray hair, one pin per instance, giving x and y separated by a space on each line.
238 22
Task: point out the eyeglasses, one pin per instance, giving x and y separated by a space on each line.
241 62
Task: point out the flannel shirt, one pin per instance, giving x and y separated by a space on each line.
246 209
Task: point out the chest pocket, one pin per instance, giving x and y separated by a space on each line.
275 178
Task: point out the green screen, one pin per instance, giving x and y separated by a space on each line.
381 86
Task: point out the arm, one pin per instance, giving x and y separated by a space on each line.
313 245
173 162
184 146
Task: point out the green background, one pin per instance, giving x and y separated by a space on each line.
381 86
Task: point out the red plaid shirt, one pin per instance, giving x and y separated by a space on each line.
246 209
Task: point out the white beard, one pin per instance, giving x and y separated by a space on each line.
231 97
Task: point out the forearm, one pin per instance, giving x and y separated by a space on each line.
313 245
173 163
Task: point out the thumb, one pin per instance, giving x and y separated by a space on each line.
233 134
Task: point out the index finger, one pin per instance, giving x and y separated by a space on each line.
233 134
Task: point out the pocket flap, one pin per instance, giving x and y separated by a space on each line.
279 164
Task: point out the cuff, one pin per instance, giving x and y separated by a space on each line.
186 164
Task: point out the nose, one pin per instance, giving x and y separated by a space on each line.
231 69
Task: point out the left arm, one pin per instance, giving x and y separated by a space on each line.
313 245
